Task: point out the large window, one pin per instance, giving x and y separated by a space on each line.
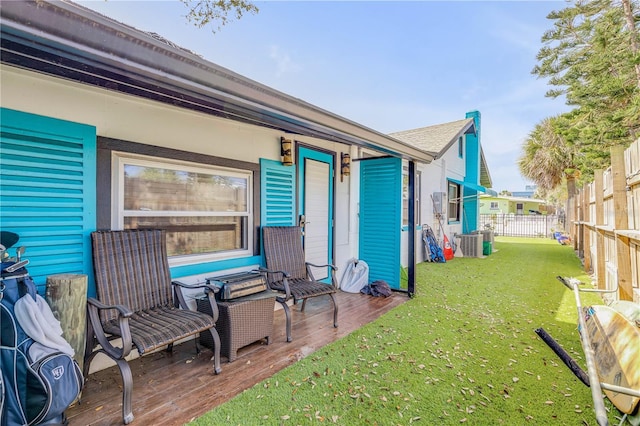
453 212
405 196
205 210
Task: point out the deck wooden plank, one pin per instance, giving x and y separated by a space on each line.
173 388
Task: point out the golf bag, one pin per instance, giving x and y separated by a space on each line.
40 378
434 251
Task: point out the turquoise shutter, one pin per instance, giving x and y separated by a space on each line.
277 195
47 192
381 218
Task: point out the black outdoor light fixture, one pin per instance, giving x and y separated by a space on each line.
345 164
285 151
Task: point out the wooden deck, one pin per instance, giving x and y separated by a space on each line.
174 388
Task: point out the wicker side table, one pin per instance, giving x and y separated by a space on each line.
241 321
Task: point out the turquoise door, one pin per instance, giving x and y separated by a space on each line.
381 218
315 207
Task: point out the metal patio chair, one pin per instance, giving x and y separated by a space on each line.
286 271
137 303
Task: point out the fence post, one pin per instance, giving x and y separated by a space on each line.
623 252
598 184
587 232
580 239
571 207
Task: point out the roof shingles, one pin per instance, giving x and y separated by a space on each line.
435 139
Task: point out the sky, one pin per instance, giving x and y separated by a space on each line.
387 65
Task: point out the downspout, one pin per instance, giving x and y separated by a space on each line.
411 252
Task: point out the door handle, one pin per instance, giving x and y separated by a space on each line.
301 223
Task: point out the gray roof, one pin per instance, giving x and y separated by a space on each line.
438 138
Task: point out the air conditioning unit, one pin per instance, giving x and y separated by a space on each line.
471 245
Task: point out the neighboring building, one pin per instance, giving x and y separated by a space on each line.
450 185
511 205
108 127
528 192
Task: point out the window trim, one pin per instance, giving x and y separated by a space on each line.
417 197
118 214
458 203
461 147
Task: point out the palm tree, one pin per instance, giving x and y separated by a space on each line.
547 158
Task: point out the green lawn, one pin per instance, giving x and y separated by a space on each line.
463 350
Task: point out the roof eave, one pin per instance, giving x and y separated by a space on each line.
69 41
468 128
485 176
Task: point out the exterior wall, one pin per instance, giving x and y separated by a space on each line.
132 119
127 118
434 179
508 205
485 205
426 214
455 168
526 206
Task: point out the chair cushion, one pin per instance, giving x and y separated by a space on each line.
302 289
157 327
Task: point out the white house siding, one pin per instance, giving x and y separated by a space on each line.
129 118
425 214
434 179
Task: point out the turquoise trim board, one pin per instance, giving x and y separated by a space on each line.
304 154
474 186
405 228
472 151
220 265
470 210
48 192
381 218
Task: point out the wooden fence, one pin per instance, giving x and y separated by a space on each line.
604 217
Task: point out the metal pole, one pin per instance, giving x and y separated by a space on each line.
411 240
596 391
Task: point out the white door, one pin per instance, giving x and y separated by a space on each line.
316 203
316 238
